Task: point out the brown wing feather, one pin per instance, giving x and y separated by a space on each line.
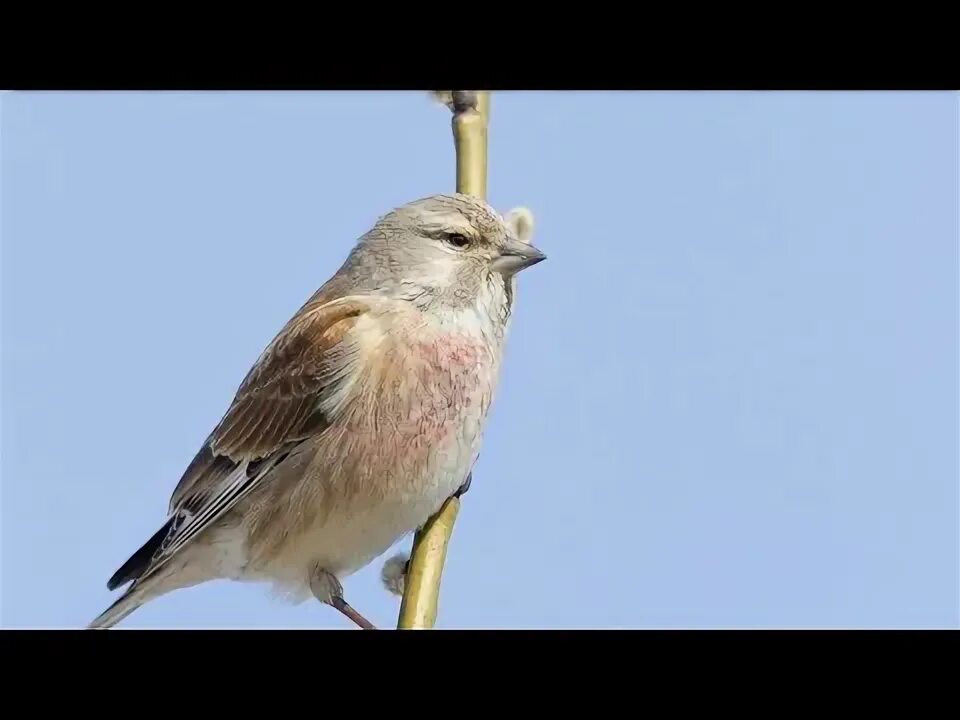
278 401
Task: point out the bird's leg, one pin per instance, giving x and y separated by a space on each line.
328 590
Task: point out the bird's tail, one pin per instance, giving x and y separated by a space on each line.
132 599
143 586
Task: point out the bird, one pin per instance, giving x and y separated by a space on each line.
358 420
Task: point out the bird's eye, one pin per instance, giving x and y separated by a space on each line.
458 240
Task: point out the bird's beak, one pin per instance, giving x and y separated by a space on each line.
515 256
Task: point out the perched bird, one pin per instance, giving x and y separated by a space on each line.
358 420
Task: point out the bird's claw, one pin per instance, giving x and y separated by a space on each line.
328 590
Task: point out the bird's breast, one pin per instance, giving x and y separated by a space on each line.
423 383
415 418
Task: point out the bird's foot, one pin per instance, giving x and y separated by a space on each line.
328 590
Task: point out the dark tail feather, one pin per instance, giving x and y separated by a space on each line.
140 560
135 595
123 606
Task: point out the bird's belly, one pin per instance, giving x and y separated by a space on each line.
372 479
348 542
342 531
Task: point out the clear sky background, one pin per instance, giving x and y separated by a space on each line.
730 393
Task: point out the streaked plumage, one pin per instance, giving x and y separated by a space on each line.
357 421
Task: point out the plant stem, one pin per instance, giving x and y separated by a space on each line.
418 610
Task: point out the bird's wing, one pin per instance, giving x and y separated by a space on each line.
294 390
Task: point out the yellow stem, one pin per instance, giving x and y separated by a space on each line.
470 141
418 610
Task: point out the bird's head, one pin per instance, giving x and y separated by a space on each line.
445 249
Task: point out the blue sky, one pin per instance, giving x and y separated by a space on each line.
730 393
